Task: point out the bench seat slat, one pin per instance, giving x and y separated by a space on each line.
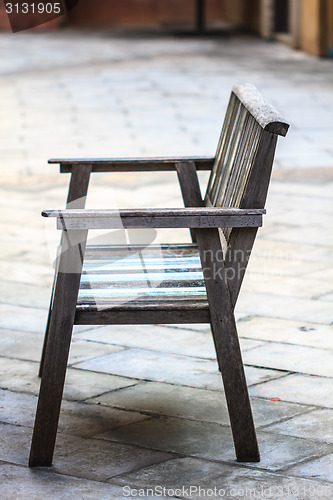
138 275
99 280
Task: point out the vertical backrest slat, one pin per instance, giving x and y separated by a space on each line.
228 160
224 144
248 119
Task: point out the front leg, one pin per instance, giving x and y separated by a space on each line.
57 348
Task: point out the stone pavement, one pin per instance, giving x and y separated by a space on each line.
143 406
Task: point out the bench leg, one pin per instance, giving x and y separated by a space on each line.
42 361
235 388
227 348
56 354
223 323
77 193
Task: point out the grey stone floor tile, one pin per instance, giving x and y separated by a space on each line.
20 483
25 272
21 345
291 265
328 296
303 359
290 332
78 457
320 468
197 404
28 346
229 481
317 425
139 363
297 388
288 250
81 385
81 350
21 318
21 294
292 286
83 420
214 442
163 367
296 217
306 234
319 194
284 307
171 340
327 276
21 376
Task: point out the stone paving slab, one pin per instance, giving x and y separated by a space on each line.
27 295
83 420
297 388
274 283
187 402
321 468
99 461
305 234
316 425
164 367
285 331
14 345
286 307
21 376
25 272
170 340
199 73
21 483
302 359
228 480
214 442
26 319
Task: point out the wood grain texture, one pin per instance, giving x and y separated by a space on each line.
225 335
144 316
267 117
132 164
135 278
57 350
190 200
181 221
156 218
254 195
154 212
228 348
77 193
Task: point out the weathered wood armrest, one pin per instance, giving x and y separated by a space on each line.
132 164
203 217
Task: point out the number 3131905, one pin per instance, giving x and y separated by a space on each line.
33 8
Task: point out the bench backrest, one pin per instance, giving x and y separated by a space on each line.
244 157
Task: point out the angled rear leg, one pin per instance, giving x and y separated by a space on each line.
227 347
223 325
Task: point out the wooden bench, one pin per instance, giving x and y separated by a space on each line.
194 283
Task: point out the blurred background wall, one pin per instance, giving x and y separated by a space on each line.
303 24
